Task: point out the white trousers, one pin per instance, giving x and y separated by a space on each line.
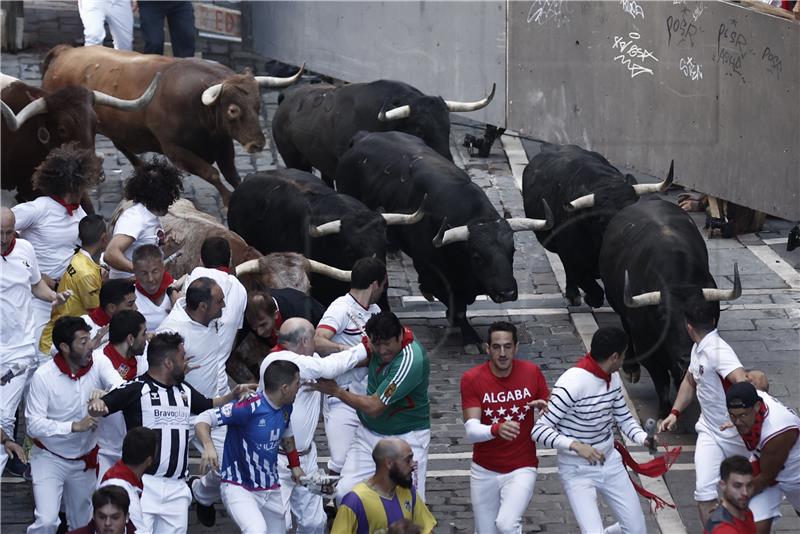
11 394
105 459
206 489
500 499
165 505
709 452
359 465
117 13
767 504
53 479
255 512
306 507
582 482
341 423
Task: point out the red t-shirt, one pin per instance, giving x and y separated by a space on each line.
505 399
726 523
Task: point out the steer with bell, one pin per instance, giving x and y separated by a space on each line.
199 108
652 262
462 247
585 192
314 123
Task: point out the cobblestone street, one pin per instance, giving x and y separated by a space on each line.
763 326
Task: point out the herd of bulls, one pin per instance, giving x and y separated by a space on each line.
385 148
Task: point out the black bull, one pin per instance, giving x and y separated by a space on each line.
656 246
288 210
474 256
314 123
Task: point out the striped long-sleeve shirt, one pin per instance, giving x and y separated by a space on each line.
583 407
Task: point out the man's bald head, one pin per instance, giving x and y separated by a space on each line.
389 449
297 335
7 223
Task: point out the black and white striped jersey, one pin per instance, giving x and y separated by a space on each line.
583 407
165 409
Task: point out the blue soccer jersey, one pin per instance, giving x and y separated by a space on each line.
255 429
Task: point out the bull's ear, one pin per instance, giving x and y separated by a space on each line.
631 179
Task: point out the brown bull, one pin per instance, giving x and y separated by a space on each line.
199 108
36 121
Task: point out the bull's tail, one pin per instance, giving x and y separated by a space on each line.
51 55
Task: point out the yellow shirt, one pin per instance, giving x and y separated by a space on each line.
363 511
83 278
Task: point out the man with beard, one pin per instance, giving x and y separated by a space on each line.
161 400
387 496
124 351
64 458
733 516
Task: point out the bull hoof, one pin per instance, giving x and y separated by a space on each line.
429 297
473 349
632 377
574 300
593 301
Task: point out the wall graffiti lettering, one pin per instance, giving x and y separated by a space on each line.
690 69
545 11
732 50
632 8
698 11
632 56
680 27
773 61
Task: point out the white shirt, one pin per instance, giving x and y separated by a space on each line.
143 226
134 494
305 409
204 345
53 234
711 361
55 401
154 314
111 429
346 317
232 314
779 419
18 273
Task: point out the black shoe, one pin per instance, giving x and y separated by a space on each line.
15 467
207 515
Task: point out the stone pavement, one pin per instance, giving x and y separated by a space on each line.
762 326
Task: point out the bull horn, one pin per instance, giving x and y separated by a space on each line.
403 218
456 106
248 267
521 224
660 187
645 299
580 203
715 295
400 112
211 94
15 122
272 81
103 99
329 228
453 235
330 272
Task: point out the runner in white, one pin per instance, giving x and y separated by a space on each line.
713 365
770 432
297 345
115 296
117 13
155 292
342 326
20 281
64 458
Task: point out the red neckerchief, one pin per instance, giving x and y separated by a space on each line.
273 337
654 468
277 348
63 366
587 363
166 280
126 367
123 472
225 270
68 206
752 438
99 316
10 248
